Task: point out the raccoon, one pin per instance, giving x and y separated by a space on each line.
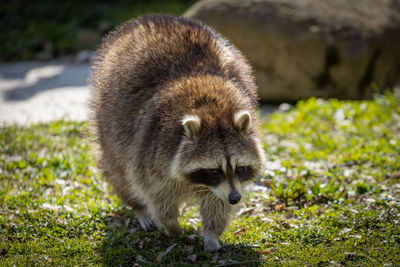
174 110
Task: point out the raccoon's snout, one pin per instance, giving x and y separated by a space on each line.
234 197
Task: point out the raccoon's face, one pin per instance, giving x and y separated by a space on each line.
224 156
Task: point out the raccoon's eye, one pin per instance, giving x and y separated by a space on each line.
243 172
213 172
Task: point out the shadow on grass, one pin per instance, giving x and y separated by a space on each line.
126 244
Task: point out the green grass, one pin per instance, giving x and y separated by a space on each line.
59 28
330 196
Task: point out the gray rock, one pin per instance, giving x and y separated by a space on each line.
303 48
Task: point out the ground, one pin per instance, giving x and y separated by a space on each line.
33 92
330 196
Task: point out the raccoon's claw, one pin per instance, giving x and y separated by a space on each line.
221 249
150 226
146 222
212 248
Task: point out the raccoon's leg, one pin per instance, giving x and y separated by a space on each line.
166 214
120 180
215 214
141 212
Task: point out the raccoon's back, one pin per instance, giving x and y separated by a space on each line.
143 57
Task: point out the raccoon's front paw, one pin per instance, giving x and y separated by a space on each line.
211 243
146 222
212 247
149 225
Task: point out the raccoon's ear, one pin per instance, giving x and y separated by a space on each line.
191 125
242 120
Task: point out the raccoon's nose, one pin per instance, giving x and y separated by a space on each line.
234 197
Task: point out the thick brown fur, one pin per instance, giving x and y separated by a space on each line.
169 98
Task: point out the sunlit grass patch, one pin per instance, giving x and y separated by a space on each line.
323 151
330 195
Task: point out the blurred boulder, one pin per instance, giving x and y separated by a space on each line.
303 48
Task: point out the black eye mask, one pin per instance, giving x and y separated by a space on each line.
211 177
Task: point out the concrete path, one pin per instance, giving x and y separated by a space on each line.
32 92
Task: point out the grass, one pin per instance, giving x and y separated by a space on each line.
330 196
33 30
